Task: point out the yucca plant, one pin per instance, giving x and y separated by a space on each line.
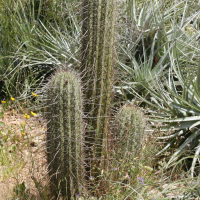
28 47
55 44
16 26
175 102
147 37
173 98
145 42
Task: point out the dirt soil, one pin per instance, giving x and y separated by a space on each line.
31 165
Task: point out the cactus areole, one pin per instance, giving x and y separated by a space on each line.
97 63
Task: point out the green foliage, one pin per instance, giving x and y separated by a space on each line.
157 58
145 42
30 51
17 23
171 86
65 130
21 192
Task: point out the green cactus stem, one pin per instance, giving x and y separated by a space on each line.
65 130
130 126
97 63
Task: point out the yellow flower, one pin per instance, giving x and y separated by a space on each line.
23 123
23 133
12 98
32 113
44 129
35 95
3 101
26 116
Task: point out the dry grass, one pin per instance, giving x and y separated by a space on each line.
27 163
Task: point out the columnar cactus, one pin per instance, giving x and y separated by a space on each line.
129 129
64 117
97 62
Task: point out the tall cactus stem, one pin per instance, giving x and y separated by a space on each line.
97 63
65 131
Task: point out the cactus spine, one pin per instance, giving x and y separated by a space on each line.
65 133
97 62
129 131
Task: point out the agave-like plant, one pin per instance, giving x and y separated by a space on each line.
175 101
147 39
174 98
